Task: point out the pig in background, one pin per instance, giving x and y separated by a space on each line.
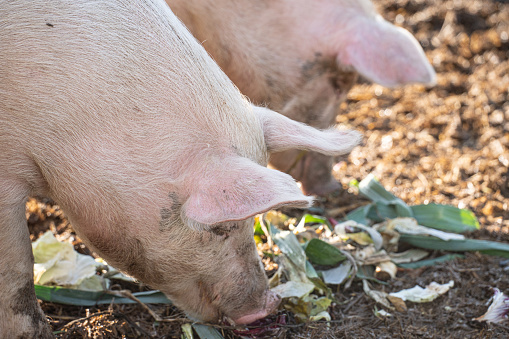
300 58
112 109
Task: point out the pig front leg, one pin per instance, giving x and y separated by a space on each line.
20 313
316 104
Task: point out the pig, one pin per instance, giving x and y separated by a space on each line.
300 58
117 113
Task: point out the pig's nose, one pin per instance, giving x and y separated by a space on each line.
272 301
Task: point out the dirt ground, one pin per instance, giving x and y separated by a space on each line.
447 144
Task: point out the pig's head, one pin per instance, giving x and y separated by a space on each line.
195 243
193 237
222 275
218 272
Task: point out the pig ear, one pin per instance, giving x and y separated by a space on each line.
384 53
282 133
238 189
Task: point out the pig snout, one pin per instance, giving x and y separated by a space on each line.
272 301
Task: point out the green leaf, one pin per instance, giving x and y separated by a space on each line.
354 183
321 253
484 246
321 286
366 273
187 331
310 270
289 245
360 214
294 289
445 218
207 332
337 275
373 213
382 212
314 219
431 262
372 189
308 306
69 296
258 228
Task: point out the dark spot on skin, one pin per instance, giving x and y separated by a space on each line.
170 215
26 304
243 249
220 231
166 213
318 66
224 230
50 25
339 80
343 81
204 238
173 196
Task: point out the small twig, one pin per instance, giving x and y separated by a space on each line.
128 294
171 320
243 327
86 318
454 273
353 302
116 314
63 317
133 324
467 269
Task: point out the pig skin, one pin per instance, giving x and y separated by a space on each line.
112 109
301 57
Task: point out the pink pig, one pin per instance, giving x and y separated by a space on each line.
114 110
300 58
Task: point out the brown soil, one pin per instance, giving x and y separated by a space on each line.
447 144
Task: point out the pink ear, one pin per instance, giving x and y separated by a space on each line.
237 189
282 133
384 53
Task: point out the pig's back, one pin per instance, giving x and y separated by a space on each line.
109 94
109 65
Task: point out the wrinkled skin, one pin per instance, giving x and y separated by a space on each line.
112 109
300 58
